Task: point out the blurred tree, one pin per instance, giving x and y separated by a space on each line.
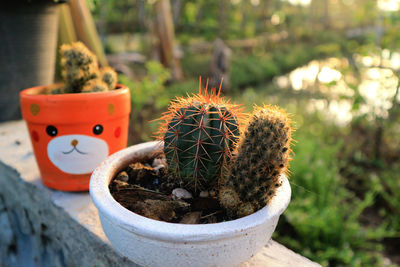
86 30
66 30
223 18
326 20
265 15
220 65
165 32
176 11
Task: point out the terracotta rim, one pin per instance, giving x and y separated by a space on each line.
69 108
35 92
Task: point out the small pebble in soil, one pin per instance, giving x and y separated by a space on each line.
204 194
158 162
181 193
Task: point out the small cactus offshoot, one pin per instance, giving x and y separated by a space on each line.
81 72
200 133
95 86
109 77
263 155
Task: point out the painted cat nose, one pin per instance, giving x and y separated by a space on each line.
74 142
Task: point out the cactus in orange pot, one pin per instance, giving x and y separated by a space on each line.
72 129
81 72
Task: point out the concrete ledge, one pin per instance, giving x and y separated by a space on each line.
44 227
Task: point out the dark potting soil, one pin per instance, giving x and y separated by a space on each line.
146 188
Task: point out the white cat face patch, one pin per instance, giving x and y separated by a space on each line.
77 154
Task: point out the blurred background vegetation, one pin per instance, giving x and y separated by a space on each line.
333 64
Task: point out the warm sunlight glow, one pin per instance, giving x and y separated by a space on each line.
302 77
395 60
282 81
275 20
340 111
389 5
328 75
378 85
299 2
378 89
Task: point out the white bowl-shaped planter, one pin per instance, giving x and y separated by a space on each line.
154 243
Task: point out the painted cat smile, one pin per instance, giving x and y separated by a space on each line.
72 150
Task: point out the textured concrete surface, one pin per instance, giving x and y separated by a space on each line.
44 227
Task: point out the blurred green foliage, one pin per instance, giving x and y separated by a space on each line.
148 97
322 220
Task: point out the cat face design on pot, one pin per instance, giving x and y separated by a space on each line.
76 153
72 134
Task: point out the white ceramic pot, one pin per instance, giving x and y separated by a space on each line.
154 243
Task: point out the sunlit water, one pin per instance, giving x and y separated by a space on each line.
383 5
338 85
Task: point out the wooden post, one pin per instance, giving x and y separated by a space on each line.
66 35
165 32
66 26
326 15
220 66
86 29
223 18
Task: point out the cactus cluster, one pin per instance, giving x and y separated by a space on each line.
200 133
263 155
81 72
207 150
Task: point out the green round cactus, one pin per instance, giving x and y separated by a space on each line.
200 132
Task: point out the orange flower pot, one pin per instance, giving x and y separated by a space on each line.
72 134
